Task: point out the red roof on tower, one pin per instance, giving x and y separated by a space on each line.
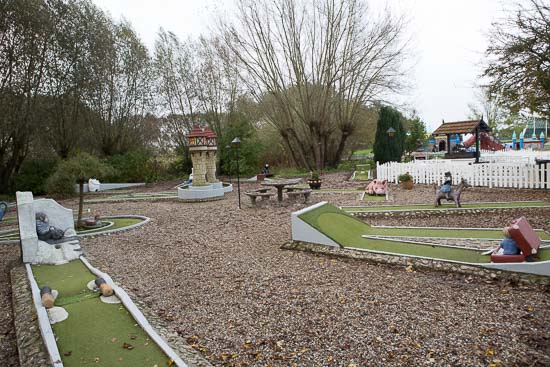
209 133
197 131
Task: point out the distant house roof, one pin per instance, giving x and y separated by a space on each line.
461 127
541 126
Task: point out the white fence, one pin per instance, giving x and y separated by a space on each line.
528 156
507 174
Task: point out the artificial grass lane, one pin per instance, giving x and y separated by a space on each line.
95 333
347 231
118 223
513 204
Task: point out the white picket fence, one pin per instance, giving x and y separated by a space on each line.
507 174
526 156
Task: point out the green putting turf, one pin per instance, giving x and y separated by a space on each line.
361 176
95 332
347 231
69 279
374 198
135 198
514 204
119 223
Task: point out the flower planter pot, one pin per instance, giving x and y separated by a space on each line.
314 184
407 185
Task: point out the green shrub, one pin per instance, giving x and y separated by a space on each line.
133 166
61 184
182 164
405 177
34 174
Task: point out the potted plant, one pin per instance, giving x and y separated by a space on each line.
314 181
406 181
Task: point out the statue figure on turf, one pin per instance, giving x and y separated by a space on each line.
454 195
447 185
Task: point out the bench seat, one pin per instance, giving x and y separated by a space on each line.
299 192
255 194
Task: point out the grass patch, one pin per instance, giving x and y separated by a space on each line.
118 224
515 204
373 198
69 279
361 176
347 231
95 332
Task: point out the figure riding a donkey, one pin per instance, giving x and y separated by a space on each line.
446 192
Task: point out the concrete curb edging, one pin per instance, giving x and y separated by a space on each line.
302 231
137 315
144 221
417 262
43 321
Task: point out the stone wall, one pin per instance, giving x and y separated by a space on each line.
428 264
211 166
199 167
32 351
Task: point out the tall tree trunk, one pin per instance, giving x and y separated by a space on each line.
80 203
340 150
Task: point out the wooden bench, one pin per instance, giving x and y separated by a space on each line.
293 194
259 193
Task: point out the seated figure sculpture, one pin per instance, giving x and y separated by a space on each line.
46 232
447 185
508 246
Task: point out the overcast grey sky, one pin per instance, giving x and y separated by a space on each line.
448 37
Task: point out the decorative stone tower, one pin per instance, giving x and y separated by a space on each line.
203 148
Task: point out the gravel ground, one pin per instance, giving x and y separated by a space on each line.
218 276
9 256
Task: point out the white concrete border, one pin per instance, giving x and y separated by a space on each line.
302 231
136 314
144 221
538 268
110 186
43 321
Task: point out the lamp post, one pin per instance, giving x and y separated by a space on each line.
236 143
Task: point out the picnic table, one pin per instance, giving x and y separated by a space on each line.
280 185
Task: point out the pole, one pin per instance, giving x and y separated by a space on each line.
477 144
238 179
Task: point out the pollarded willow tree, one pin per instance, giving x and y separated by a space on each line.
314 65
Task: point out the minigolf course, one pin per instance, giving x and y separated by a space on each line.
95 333
327 225
430 207
84 318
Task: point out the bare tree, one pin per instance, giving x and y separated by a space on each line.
519 58
314 64
217 83
488 105
120 93
176 71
